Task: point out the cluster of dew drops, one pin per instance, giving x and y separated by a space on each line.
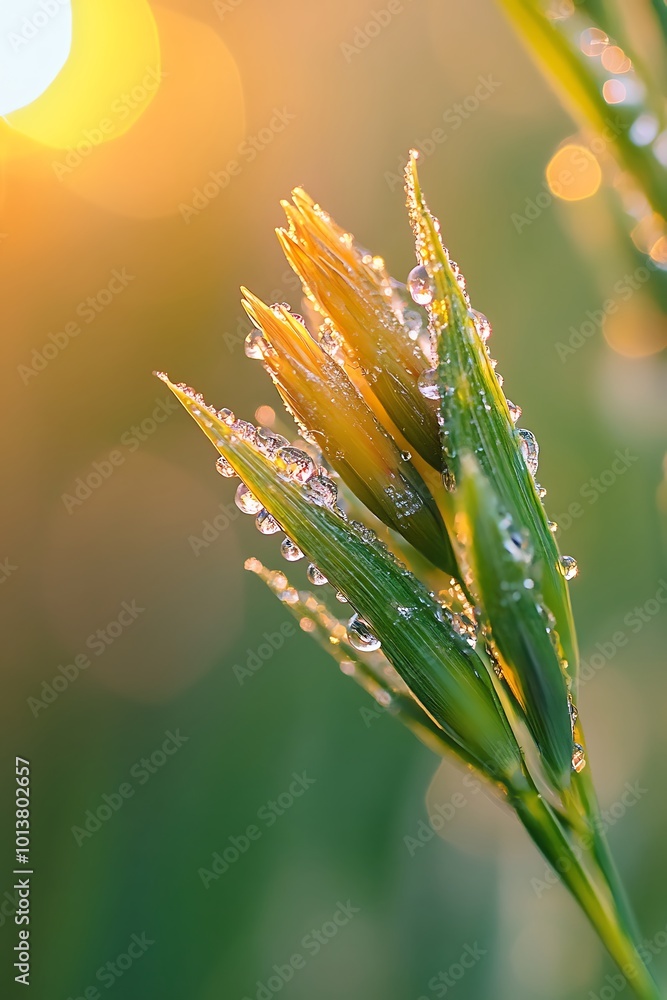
420 287
300 467
295 465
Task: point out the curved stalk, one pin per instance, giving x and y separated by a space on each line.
595 900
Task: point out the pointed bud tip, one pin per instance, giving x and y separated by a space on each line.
253 305
301 196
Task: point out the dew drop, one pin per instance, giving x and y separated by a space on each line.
255 345
322 491
269 443
246 431
295 464
266 523
574 711
224 468
226 415
541 492
330 339
553 526
578 758
568 567
529 449
420 285
290 551
247 501
515 411
428 384
360 636
482 325
518 546
289 595
412 321
317 578
406 455
340 596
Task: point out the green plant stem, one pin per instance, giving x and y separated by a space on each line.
585 801
660 11
543 827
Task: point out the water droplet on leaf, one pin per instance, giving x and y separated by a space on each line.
322 491
530 449
578 758
269 442
224 468
295 464
515 411
266 523
428 384
226 415
482 325
247 501
246 431
290 551
255 345
420 285
568 567
360 636
317 578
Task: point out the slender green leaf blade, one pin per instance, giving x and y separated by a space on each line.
475 417
440 668
507 584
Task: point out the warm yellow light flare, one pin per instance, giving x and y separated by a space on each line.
110 77
573 173
190 143
265 415
35 42
636 331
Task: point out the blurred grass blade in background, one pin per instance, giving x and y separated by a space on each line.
589 55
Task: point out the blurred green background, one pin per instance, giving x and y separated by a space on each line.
105 489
